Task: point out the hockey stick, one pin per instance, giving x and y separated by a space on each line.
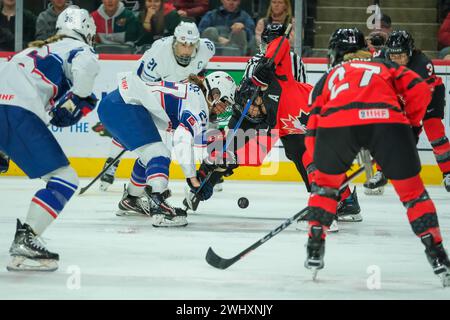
83 190
230 136
221 263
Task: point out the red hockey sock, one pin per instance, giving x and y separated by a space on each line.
420 208
435 131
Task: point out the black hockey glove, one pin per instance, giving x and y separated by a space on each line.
264 72
416 132
71 108
204 192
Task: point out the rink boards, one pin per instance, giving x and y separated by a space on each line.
87 148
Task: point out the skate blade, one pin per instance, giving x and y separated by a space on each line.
159 220
445 278
374 192
19 263
314 273
104 186
444 274
124 213
350 218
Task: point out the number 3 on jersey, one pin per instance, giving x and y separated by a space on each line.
340 73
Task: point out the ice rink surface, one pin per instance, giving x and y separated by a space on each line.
103 256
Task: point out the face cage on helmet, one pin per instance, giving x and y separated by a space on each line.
184 60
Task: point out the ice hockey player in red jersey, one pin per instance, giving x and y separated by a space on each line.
400 49
355 105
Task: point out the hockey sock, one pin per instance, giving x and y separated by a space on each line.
420 208
307 164
324 199
434 128
138 179
115 149
157 173
48 203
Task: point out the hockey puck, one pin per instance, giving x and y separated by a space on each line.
243 203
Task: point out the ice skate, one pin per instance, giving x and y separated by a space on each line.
349 210
165 215
28 253
437 257
107 179
447 182
315 251
131 206
375 185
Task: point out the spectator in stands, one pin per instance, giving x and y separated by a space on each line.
228 25
116 24
444 38
159 19
279 11
8 25
191 9
46 20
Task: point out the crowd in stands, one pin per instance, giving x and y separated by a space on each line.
131 26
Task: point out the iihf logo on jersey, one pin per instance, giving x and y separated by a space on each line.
374 114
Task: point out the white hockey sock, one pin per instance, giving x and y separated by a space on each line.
134 190
158 184
38 218
115 148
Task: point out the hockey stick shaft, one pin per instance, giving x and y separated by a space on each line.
230 137
221 263
83 190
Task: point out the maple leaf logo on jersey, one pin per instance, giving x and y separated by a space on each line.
296 125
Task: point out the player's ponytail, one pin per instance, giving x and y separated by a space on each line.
360 54
198 81
41 43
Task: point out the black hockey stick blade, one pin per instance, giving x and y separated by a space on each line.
218 262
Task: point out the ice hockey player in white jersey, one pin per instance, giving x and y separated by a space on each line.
171 58
49 83
149 108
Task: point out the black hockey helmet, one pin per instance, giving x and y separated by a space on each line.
344 41
400 41
271 31
244 92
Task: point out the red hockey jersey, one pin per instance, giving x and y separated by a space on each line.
285 96
361 92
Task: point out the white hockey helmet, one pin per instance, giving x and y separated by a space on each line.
222 82
77 23
186 33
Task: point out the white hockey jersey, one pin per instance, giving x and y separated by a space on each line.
180 108
159 63
37 77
